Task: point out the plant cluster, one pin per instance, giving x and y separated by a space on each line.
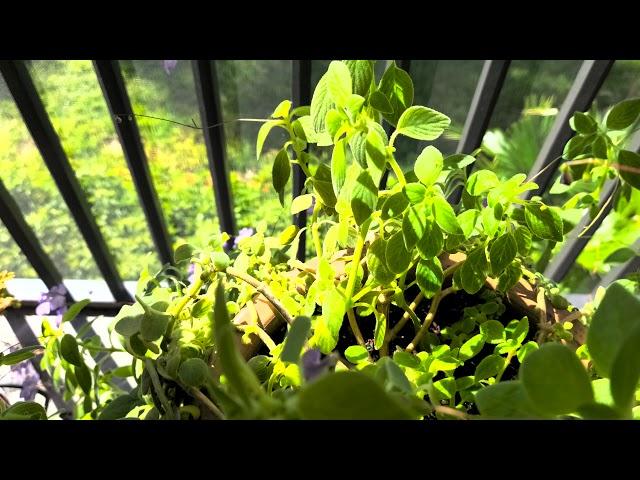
404 313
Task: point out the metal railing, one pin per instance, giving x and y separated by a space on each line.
586 85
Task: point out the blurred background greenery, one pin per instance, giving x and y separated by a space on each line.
524 114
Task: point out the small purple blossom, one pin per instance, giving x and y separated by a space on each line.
24 374
54 302
169 65
191 271
243 233
313 204
313 365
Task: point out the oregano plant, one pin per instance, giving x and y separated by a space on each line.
411 307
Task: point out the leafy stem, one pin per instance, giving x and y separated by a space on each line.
432 312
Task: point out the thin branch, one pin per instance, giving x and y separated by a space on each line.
195 393
120 116
427 321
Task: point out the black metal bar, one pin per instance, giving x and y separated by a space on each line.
406 66
482 105
301 95
573 246
588 81
35 117
117 98
26 239
25 336
206 81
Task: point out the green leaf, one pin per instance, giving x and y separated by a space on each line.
280 173
623 114
629 168
338 83
414 225
473 271
517 330
333 122
74 310
481 181
397 86
119 407
296 337
334 308
471 347
361 75
263 133
555 380
502 252
445 216
364 197
376 152
490 366
323 187
493 331
544 221
509 278
611 324
393 376
83 375
377 262
397 256
282 110
578 145
429 165
301 203
380 102
183 252
380 330
596 411
394 205
194 372
429 276
21 355
321 103
69 350
349 396
129 325
415 192
625 371
467 221
522 236
338 166
505 400
422 123
599 147
356 354
24 411
583 123
153 324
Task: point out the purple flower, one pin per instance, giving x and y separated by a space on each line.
169 65
54 302
243 233
24 374
313 365
191 271
313 204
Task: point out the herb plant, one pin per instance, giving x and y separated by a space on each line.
404 313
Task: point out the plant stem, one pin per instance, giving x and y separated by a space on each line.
264 336
506 364
427 321
354 326
195 393
314 230
191 292
397 170
263 289
355 262
155 380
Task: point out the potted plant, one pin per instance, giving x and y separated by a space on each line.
412 308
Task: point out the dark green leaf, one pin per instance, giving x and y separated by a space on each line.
24 411
349 396
183 252
473 271
414 225
21 355
74 310
429 276
489 367
296 337
361 75
429 165
599 147
397 86
129 325
505 400
493 331
555 380
623 114
380 102
69 350
280 173
578 145
583 123
422 123
544 221
394 205
612 323
193 372
377 263
509 278
364 197
323 186
502 252
630 167
522 236
625 371
119 407
83 375
397 256
415 192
